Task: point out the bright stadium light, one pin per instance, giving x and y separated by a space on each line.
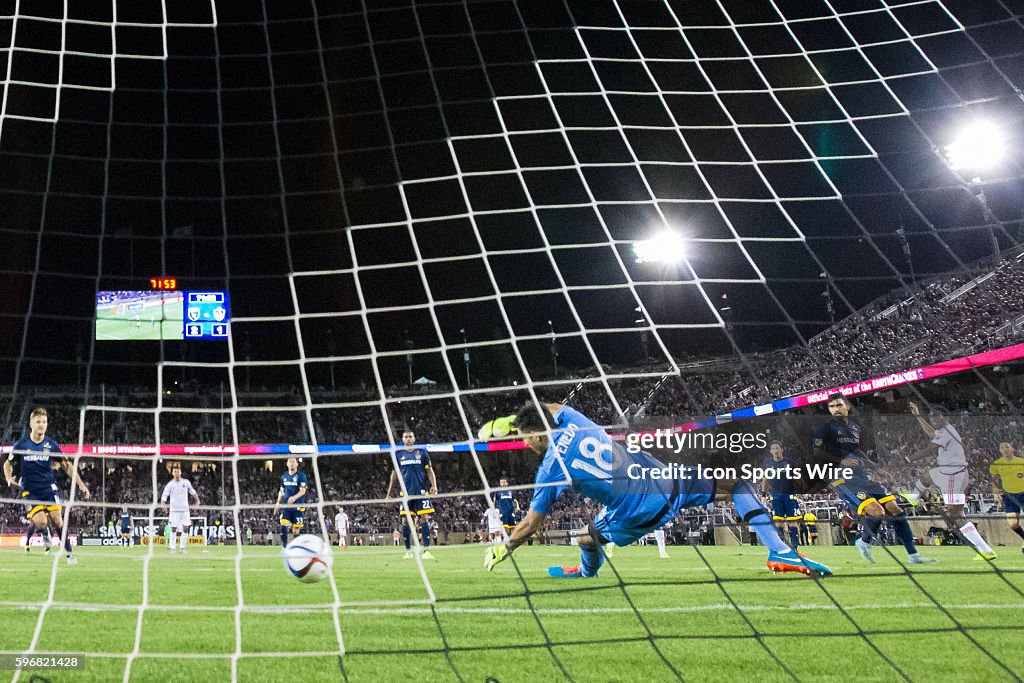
978 147
666 247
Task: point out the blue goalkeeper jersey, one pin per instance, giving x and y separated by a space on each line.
292 484
413 466
33 462
600 469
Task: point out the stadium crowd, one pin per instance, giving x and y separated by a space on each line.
945 317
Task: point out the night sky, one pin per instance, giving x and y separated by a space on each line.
435 173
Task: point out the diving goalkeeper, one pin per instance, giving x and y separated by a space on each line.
580 454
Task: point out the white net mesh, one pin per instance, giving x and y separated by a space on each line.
427 215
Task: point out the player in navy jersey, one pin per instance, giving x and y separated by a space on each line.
31 531
843 439
125 525
580 454
784 505
34 454
293 495
418 479
508 506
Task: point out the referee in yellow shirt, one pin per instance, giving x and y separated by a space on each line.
1009 470
811 525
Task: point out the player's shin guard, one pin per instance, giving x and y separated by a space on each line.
425 534
871 527
749 507
904 533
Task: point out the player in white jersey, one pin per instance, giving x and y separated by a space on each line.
494 526
949 475
341 526
659 536
177 492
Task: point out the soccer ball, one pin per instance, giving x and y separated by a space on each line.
308 558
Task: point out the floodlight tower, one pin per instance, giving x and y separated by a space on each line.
977 149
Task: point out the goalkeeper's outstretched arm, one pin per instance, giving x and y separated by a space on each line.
531 524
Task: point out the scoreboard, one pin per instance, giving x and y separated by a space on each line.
162 313
206 315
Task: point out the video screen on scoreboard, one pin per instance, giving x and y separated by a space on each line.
130 315
139 315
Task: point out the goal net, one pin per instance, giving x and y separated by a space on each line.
696 216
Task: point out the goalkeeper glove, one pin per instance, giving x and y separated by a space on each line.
498 427
494 555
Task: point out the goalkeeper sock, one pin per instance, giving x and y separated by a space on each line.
425 534
871 527
794 538
749 507
905 534
590 561
284 535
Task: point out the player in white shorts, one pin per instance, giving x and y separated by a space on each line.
177 492
659 536
494 526
341 526
949 475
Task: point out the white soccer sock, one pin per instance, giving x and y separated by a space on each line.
659 536
970 532
173 539
183 541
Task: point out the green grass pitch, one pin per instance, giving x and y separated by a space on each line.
716 615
